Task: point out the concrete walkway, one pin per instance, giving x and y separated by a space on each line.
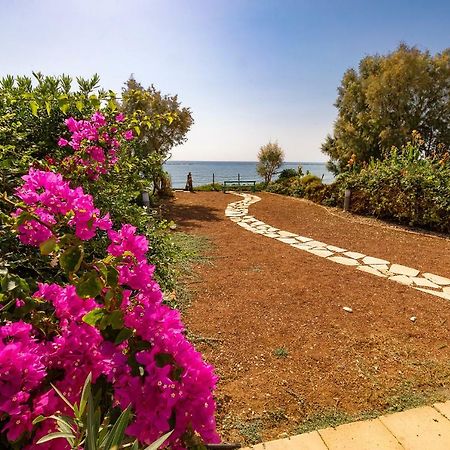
429 283
425 428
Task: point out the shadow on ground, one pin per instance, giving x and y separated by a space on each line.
188 216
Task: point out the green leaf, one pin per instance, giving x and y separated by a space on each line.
70 260
48 246
39 419
61 395
34 107
89 285
155 445
116 435
64 104
56 435
116 319
86 389
92 424
48 107
123 335
79 105
94 316
138 130
112 276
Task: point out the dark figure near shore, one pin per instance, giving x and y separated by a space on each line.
189 183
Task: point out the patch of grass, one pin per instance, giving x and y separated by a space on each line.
216 187
250 430
280 352
190 249
324 419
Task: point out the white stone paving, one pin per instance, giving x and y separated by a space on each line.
425 282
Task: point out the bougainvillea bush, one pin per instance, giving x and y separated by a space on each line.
104 316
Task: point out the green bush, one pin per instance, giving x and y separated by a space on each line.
287 173
405 187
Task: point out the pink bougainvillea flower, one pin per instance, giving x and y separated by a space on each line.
128 135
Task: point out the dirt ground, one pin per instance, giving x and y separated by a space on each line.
269 318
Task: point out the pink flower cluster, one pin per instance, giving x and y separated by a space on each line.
51 199
174 385
95 144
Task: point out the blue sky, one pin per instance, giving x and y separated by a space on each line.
251 70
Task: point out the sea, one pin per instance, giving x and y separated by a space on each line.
203 171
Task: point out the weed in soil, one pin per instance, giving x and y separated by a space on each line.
281 352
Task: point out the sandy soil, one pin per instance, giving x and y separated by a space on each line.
269 317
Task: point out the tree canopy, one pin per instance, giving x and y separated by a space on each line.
155 143
388 97
270 158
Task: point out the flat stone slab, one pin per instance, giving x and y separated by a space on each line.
442 281
419 429
402 279
317 244
443 295
271 235
287 240
336 249
423 282
367 435
301 246
398 269
380 267
320 252
303 239
371 270
446 289
372 260
354 255
287 234
344 261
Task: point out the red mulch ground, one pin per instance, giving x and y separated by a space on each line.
260 295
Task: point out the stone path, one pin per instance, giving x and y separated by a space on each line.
423 281
425 428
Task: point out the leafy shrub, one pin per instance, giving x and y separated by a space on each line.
287 173
405 187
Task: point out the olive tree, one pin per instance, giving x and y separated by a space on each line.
270 158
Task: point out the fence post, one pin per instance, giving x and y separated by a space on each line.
239 180
213 180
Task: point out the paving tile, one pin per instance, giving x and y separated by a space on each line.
307 441
423 282
301 246
402 279
366 435
320 252
354 255
380 267
303 239
444 295
344 261
398 269
371 260
442 281
317 244
336 249
271 235
287 234
371 270
443 408
288 240
419 429
446 289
